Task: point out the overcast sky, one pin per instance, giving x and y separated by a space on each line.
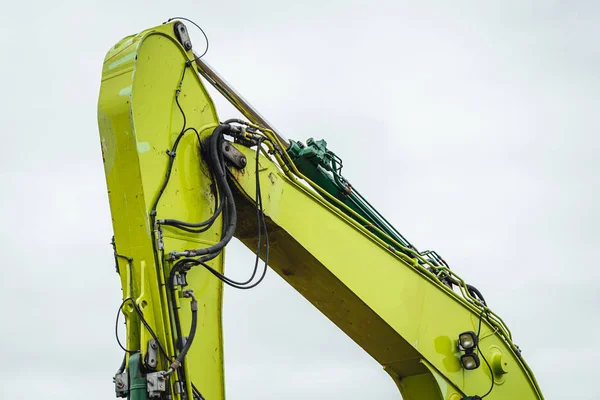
472 126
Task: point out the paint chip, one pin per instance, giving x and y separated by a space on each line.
122 60
143 147
125 91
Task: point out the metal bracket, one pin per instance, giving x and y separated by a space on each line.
183 36
151 359
157 383
180 279
161 243
121 382
233 155
178 387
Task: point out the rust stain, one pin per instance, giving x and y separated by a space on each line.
238 173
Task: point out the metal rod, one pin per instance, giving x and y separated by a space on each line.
236 98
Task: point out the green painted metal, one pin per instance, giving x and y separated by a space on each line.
138 387
323 167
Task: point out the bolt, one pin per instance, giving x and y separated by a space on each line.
153 345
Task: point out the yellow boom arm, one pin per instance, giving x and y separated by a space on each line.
158 129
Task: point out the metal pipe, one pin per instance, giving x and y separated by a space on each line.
236 98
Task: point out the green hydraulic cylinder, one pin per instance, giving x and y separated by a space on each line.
138 387
323 168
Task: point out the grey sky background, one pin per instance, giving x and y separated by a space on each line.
472 126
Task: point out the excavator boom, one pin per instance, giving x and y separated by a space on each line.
182 183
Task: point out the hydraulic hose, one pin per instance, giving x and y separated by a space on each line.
476 293
208 222
228 201
194 307
123 363
205 225
171 282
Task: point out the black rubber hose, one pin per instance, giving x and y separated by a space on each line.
177 363
174 305
229 281
171 284
188 342
476 293
227 199
209 222
197 393
205 225
122 367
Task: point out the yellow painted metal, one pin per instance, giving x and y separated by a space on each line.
139 121
403 317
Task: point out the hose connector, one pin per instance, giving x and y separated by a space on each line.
194 303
